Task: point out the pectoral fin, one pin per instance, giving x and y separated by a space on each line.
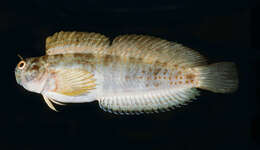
73 82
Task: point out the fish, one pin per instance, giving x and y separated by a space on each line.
132 74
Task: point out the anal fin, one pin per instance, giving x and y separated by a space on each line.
152 102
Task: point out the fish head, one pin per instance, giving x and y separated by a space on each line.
30 73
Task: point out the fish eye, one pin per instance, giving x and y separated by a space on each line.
21 64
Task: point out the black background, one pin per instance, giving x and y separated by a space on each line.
221 30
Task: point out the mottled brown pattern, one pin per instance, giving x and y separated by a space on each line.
165 64
140 77
165 71
107 60
156 84
157 63
132 60
35 67
139 60
156 71
35 60
131 65
190 76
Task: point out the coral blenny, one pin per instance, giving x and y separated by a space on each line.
132 75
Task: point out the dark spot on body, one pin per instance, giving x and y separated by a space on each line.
89 56
165 72
132 59
190 76
140 77
156 84
107 60
164 64
35 67
127 77
140 60
157 63
156 71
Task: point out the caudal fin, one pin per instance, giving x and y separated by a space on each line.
219 77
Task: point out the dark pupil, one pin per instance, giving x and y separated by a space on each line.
21 65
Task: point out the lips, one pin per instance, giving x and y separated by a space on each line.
18 76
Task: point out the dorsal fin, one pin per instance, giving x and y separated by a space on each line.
76 42
153 50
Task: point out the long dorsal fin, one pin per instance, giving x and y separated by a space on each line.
153 50
76 42
148 48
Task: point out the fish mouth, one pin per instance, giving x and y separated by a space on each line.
18 80
18 77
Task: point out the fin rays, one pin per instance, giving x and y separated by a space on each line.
49 102
149 103
148 48
76 42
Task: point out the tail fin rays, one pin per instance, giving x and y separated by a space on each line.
219 77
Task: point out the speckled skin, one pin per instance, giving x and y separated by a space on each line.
132 74
114 75
135 77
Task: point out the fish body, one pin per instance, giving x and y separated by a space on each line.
135 74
